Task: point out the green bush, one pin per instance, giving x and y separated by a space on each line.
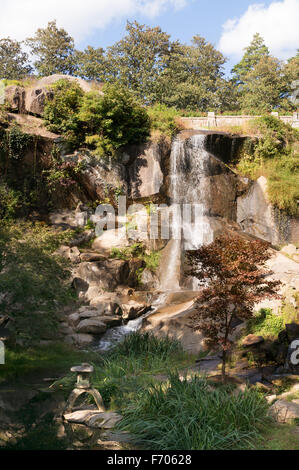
9 201
36 283
150 260
61 112
164 120
103 122
265 324
190 415
113 120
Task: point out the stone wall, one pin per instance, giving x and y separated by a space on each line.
213 121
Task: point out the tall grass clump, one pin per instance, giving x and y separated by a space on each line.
190 415
132 365
143 352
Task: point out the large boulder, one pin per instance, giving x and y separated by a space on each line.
15 98
36 98
285 411
252 340
51 79
79 340
104 275
91 326
134 309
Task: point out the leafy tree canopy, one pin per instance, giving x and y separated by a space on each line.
253 54
54 49
13 61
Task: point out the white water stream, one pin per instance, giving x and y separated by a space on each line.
189 183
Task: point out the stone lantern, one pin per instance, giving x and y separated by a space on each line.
83 385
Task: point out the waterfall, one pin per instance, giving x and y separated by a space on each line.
189 183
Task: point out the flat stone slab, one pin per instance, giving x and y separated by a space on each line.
209 365
285 411
94 419
252 340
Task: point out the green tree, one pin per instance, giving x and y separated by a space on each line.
265 87
291 76
91 63
137 60
193 78
54 49
13 61
253 54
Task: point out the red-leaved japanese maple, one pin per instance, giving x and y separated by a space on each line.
234 277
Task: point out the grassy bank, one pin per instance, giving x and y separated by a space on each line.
159 412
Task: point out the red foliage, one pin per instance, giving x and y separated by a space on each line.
233 275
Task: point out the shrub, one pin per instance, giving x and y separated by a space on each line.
137 250
265 324
9 201
113 120
34 282
164 120
61 112
14 142
104 122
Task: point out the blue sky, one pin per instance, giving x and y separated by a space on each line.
203 18
228 24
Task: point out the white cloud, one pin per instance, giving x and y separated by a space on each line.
277 24
21 18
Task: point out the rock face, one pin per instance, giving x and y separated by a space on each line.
99 179
173 320
106 275
145 175
258 217
32 100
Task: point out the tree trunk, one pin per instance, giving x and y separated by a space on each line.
223 365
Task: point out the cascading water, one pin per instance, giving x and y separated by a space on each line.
190 227
115 335
189 183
